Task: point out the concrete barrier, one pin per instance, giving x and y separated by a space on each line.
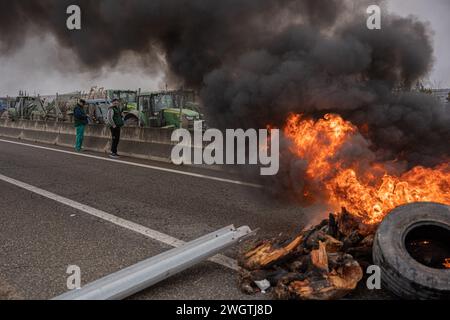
143 143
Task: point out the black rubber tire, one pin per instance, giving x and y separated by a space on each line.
400 273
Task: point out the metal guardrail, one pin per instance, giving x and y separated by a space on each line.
140 276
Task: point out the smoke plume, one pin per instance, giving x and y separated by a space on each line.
256 61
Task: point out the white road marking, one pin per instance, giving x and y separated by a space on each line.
150 233
196 175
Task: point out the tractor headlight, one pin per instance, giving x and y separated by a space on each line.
189 118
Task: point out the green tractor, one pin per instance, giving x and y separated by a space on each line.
165 109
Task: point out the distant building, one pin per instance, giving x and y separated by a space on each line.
442 94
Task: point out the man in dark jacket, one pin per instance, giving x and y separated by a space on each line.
115 122
80 121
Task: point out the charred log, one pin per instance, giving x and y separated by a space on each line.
270 253
318 263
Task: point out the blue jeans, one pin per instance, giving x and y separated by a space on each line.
80 137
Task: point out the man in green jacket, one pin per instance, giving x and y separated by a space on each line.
80 122
115 122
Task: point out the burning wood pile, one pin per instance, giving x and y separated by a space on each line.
319 263
447 263
335 163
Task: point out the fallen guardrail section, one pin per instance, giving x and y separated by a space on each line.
142 275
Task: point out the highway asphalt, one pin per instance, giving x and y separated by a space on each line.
40 237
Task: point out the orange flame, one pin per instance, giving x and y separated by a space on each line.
447 263
362 186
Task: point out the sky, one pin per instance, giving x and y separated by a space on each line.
41 67
437 13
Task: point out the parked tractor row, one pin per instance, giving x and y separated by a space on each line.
166 109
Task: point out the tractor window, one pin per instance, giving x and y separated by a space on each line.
129 97
144 103
162 102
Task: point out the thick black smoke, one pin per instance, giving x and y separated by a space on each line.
255 61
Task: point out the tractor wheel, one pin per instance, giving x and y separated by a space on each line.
131 122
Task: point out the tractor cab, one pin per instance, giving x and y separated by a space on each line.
171 109
4 105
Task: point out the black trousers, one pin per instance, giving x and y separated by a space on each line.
115 133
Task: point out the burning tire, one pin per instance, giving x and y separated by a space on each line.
412 248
